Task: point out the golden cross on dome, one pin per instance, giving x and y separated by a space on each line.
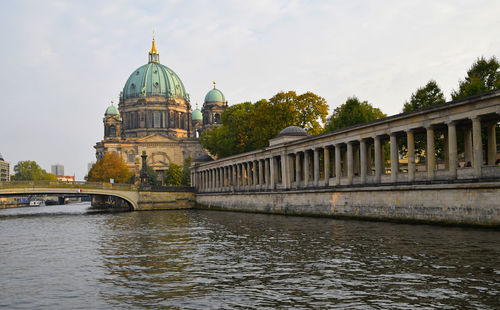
197 105
153 35
214 83
112 102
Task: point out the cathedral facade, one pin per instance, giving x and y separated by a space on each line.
154 115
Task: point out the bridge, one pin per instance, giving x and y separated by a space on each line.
135 197
347 172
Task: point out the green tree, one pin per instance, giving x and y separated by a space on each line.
249 126
483 76
352 112
173 175
426 96
186 171
29 170
111 166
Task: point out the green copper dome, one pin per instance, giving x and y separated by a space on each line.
112 110
215 95
154 79
196 115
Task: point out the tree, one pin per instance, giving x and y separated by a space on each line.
186 171
29 170
111 166
426 96
483 76
352 112
249 126
173 175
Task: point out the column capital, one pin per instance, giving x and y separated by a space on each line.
451 122
430 127
475 117
411 130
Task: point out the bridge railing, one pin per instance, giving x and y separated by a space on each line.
59 184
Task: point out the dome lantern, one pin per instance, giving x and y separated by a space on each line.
153 53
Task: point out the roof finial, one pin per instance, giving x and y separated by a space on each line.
153 48
112 102
214 84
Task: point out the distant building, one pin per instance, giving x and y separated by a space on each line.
4 170
57 169
65 178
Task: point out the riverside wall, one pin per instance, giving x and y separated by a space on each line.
460 204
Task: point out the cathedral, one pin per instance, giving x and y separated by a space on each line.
154 115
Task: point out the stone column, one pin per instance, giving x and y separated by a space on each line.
254 174
272 168
238 176
261 174
378 159
306 168
326 165
452 149
477 146
468 145
362 151
410 137
249 175
298 171
285 183
394 157
492 143
267 173
316 167
430 153
338 170
350 163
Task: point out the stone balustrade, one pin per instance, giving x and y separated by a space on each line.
356 156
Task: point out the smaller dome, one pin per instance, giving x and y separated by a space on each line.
1 157
215 95
203 158
293 131
112 110
196 115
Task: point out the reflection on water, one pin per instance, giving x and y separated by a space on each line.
203 259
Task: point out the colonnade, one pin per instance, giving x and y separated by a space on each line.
358 156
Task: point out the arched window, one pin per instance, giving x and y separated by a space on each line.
217 118
112 131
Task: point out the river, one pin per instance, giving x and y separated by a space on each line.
67 257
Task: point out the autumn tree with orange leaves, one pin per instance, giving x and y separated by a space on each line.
111 166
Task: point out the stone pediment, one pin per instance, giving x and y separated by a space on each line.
157 138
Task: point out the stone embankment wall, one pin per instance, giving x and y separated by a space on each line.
463 204
149 200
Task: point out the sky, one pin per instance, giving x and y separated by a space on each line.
62 62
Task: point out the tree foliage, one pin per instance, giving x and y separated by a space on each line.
173 175
249 126
111 166
353 112
483 76
186 171
29 170
426 96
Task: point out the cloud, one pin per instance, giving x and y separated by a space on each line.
62 62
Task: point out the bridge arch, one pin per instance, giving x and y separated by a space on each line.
126 192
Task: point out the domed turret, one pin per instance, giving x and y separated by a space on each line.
112 110
215 103
196 115
215 95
